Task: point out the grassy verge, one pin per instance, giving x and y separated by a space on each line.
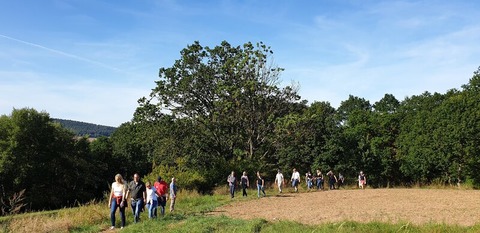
90 216
224 224
193 214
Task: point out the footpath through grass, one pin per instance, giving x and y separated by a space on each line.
193 214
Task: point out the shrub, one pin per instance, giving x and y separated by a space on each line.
186 178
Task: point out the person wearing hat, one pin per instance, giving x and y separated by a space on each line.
161 186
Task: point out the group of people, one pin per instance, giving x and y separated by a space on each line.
316 179
145 195
141 196
245 183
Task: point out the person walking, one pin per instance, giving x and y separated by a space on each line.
295 179
161 186
341 180
232 182
152 201
279 180
137 193
319 180
245 183
309 180
260 184
332 179
173 194
117 200
362 180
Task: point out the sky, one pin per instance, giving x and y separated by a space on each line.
91 60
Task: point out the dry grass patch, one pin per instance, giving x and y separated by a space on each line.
64 221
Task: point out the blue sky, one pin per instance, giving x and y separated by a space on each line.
91 60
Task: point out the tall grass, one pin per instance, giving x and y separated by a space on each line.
63 220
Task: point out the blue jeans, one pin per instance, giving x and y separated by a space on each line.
295 183
319 184
260 187
113 209
137 206
309 183
232 190
152 208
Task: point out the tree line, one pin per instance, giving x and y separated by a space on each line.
221 109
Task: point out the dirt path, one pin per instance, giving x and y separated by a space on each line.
417 206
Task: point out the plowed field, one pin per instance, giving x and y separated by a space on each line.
416 206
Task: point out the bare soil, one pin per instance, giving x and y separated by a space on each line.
416 206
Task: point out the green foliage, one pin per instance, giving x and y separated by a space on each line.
223 104
189 179
303 138
129 153
43 158
439 134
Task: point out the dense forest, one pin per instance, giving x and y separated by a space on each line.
86 129
221 109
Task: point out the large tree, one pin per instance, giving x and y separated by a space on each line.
385 124
417 148
230 94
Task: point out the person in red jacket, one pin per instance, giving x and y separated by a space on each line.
162 187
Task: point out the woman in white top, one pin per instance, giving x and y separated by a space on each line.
117 200
152 201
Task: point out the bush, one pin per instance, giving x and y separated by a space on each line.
186 178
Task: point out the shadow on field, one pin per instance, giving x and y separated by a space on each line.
214 212
283 195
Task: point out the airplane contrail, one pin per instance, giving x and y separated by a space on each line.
62 53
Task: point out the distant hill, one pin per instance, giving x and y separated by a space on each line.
82 128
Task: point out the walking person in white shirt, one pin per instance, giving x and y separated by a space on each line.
279 180
152 201
295 179
117 200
